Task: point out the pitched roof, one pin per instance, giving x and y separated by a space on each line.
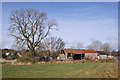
79 51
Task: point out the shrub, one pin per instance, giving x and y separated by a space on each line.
26 59
23 59
4 55
15 56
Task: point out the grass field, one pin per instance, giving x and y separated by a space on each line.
63 70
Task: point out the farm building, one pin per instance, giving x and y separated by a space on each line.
78 54
102 55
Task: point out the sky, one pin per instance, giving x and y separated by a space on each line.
78 22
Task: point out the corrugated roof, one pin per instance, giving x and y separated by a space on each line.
79 51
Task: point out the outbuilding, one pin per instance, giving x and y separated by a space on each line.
102 55
79 54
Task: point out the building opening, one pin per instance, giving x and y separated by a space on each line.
78 56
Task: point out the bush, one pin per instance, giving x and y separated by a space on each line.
26 59
23 59
4 55
15 56
9 58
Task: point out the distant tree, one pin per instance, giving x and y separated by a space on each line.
53 44
29 27
79 45
95 45
89 47
59 44
106 48
72 46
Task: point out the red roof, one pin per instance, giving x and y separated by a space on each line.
79 51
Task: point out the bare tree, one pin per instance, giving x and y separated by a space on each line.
53 44
45 44
95 45
29 27
60 44
72 46
99 46
89 47
106 48
79 45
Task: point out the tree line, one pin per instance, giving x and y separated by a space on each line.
95 45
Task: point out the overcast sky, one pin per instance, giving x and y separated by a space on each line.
77 22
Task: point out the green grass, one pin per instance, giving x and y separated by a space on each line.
63 70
